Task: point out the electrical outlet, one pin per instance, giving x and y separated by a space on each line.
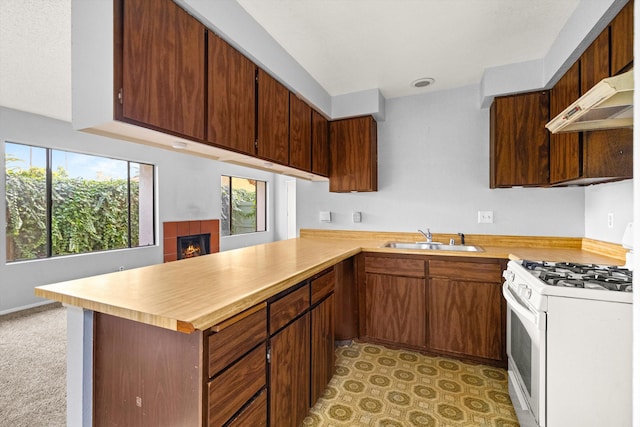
485 217
357 216
610 220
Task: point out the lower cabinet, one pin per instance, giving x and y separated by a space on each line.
289 373
301 348
254 415
146 375
264 366
393 301
466 311
446 306
323 352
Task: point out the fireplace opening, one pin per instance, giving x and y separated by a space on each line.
193 246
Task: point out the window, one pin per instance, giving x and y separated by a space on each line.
244 207
60 203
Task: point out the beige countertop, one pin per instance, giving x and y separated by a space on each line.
200 292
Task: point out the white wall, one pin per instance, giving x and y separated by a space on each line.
188 188
433 165
602 199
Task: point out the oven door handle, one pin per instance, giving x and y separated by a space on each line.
520 310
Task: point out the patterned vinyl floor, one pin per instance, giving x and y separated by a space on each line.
377 386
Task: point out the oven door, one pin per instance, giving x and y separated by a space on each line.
526 349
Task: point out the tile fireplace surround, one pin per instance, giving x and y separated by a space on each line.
174 229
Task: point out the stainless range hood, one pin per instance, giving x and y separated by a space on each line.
607 105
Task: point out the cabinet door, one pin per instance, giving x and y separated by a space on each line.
622 40
465 318
320 144
519 141
565 148
354 155
395 309
290 374
273 119
163 81
232 97
322 347
594 62
608 154
299 134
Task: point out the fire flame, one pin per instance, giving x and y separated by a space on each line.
191 251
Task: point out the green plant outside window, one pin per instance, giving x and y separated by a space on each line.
61 203
243 205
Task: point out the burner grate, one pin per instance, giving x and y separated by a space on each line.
587 276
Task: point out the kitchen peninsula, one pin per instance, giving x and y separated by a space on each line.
180 317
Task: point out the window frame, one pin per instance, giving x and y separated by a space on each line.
49 178
261 206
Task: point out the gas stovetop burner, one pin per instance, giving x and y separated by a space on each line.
587 276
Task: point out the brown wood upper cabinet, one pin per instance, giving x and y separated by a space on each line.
565 149
160 71
622 40
319 144
519 142
299 133
586 157
232 98
594 156
594 62
354 155
273 119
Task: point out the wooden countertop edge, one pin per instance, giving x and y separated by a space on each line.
138 316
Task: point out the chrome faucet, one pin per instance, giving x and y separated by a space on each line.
427 235
461 238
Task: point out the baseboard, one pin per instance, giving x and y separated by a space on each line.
28 307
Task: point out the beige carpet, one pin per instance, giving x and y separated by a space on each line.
377 386
33 367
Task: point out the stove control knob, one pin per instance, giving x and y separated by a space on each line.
508 275
527 292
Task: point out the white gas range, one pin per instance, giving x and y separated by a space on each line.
569 329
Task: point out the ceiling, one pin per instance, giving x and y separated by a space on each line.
353 45
345 45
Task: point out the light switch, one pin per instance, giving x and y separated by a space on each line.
325 216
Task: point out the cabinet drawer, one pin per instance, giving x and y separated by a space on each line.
254 415
408 267
322 286
234 387
236 337
472 271
285 309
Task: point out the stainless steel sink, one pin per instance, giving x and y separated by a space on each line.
433 246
